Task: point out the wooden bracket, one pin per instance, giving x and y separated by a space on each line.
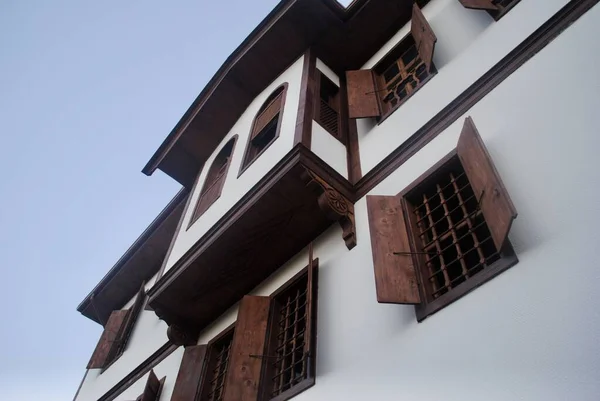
335 206
180 335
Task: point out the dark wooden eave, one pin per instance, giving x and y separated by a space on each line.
140 262
343 38
299 199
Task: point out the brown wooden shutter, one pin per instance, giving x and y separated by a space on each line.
127 327
395 276
362 94
423 35
108 339
496 205
153 387
266 115
310 343
190 373
479 4
247 349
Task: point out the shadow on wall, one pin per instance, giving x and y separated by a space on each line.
453 39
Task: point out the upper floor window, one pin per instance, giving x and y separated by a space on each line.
213 183
496 8
446 233
265 127
327 109
117 331
405 69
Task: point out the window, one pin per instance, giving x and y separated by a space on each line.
404 70
117 331
273 348
327 110
152 389
214 181
446 233
265 127
217 362
496 8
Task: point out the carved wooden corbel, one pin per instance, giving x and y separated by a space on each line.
335 206
179 335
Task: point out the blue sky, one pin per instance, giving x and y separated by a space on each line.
88 91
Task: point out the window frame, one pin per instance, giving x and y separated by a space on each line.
206 185
205 378
309 381
426 307
248 160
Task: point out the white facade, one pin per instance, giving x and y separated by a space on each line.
529 334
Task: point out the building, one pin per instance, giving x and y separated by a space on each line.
347 227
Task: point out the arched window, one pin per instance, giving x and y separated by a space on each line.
265 127
213 184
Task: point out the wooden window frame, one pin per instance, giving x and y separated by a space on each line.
427 307
248 160
320 77
383 65
204 388
309 381
496 11
206 186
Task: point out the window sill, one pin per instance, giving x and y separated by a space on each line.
294 391
508 260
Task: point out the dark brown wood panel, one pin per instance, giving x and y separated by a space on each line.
247 350
108 339
395 276
479 4
362 94
423 35
494 201
312 292
190 373
153 387
308 97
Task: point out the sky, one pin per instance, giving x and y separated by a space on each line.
88 91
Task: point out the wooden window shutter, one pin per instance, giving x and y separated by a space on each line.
362 94
310 344
494 201
190 373
266 115
395 276
127 327
153 388
423 35
247 349
108 339
479 4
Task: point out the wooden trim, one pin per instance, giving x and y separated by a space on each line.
349 130
474 93
206 184
306 105
247 163
137 373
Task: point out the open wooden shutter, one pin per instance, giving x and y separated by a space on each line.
127 327
247 350
153 388
362 94
190 373
108 340
479 4
423 35
494 201
310 343
395 276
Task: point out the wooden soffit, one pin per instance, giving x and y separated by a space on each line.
298 200
343 38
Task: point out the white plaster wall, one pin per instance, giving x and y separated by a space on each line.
168 368
332 151
469 44
148 335
235 187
